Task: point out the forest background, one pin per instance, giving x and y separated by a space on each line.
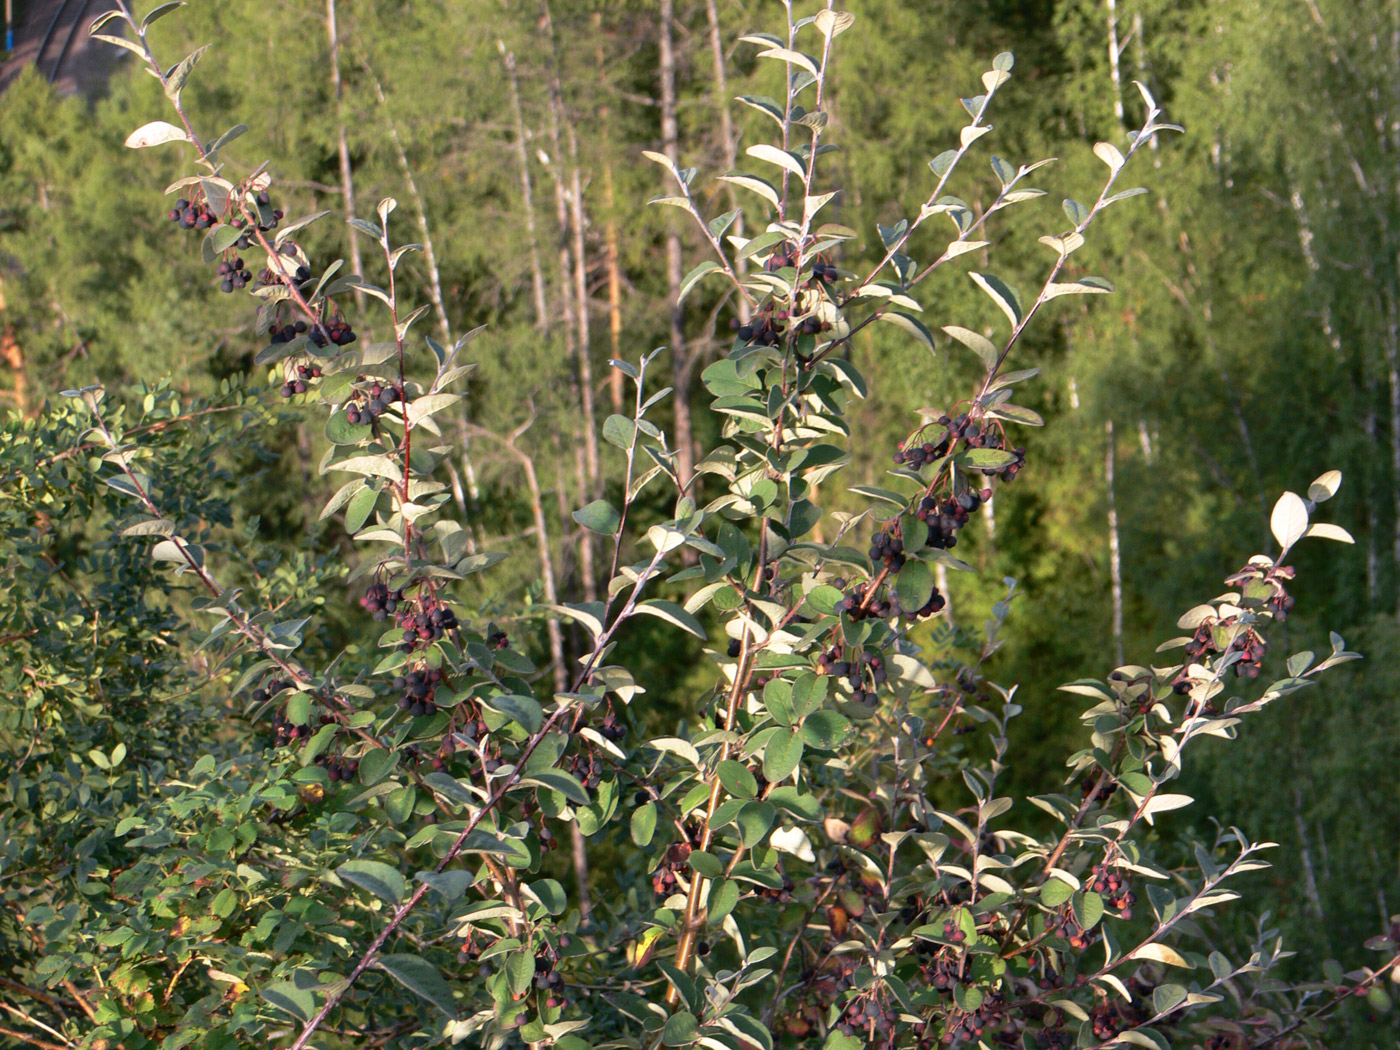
1253 343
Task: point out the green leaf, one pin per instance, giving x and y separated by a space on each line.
156 133
449 788
422 979
287 997
599 516
706 864
754 820
752 183
1084 286
219 239
723 897
520 971
1290 519
976 342
673 614
680 1029
340 431
380 879
523 709
912 325
1325 487
450 885
968 997
914 585
1088 909
179 76
779 157
1002 294
765 105
342 496
781 755
737 779
551 895
557 780
1054 893
299 709
695 276
382 466
150 527
825 729
1166 997
943 163
619 431
761 243
644 824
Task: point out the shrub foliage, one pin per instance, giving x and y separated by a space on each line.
218 831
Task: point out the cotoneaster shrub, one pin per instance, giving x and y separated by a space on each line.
217 835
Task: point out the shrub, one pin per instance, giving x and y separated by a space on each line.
225 836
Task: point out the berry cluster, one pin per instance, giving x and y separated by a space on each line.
945 518
887 549
1103 794
1265 586
285 732
914 455
1212 636
864 1016
860 603
297 382
585 766
245 239
380 398
269 276
1115 890
263 201
972 1025
337 330
419 687
856 672
932 607
769 325
379 601
426 623
778 895
1068 928
233 274
549 981
663 880
339 769
285 333
1105 1022
264 693
192 215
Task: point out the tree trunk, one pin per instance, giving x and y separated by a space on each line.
617 393
1115 563
573 270
1115 52
728 141
522 159
1392 365
616 390
1305 855
940 579
680 366
347 180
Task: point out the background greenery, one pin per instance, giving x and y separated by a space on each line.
1254 342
